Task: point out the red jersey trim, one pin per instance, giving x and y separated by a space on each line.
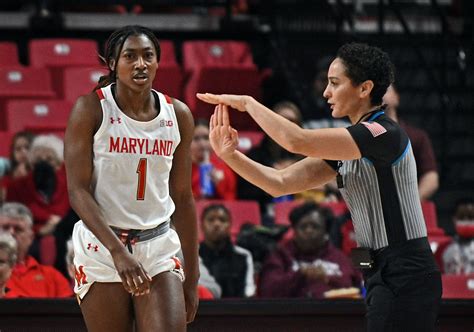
168 99
100 94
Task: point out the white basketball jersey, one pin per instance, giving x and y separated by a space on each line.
132 164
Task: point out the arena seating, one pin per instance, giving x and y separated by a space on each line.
241 211
37 115
220 67
169 77
5 139
59 53
458 286
9 54
249 139
23 82
79 81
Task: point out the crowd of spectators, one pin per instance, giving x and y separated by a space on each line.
307 262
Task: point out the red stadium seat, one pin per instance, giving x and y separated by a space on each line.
80 81
8 54
23 82
228 79
168 54
220 67
169 80
5 141
249 140
458 286
282 211
47 250
431 219
41 116
241 211
62 52
200 53
169 77
57 54
438 244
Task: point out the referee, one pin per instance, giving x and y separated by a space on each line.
372 161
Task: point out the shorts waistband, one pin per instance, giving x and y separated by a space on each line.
132 236
406 247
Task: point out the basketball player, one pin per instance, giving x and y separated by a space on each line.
129 173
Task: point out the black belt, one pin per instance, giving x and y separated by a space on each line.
131 236
404 248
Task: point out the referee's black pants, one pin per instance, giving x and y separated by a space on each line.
403 290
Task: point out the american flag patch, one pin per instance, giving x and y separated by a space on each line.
376 129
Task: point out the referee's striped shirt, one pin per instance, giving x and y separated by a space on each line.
381 189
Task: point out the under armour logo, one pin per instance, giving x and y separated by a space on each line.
112 120
91 247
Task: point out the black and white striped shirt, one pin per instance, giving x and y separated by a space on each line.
381 189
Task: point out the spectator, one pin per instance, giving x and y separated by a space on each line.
230 265
29 278
18 164
458 258
44 190
223 182
208 283
269 153
427 174
8 251
308 265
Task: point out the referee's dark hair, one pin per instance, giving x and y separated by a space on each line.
306 208
364 62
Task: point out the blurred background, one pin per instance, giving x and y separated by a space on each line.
278 51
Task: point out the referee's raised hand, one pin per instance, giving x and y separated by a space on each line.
223 138
235 101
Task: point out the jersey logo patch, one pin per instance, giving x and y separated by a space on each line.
375 128
80 276
92 247
112 120
166 123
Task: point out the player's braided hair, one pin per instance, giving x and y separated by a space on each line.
114 46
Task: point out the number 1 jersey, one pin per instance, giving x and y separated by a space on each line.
132 164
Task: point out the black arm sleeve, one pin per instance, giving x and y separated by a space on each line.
381 141
332 163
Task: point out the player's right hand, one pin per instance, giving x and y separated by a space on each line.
135 279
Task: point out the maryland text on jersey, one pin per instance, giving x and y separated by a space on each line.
140 146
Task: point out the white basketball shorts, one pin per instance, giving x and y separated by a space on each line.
93 262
